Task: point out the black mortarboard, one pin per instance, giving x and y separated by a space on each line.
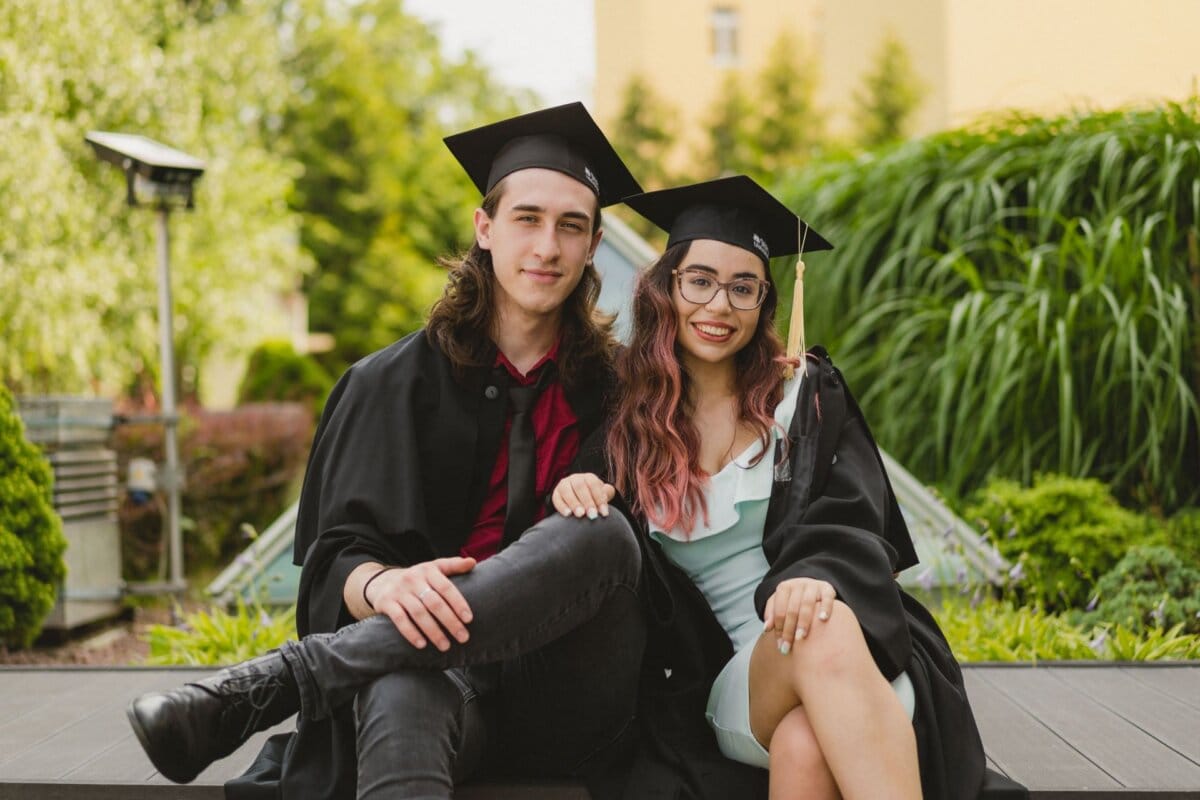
563 138
733 210
739 212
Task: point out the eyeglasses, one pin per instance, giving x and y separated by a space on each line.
745 294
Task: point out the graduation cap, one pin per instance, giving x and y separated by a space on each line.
564 138
739 212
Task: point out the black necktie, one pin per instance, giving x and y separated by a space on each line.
522 457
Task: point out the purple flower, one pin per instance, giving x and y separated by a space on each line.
1017 573
1097 644
1091 606
925 579
264 618
1011 533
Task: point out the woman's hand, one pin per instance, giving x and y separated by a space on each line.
582 493
795 607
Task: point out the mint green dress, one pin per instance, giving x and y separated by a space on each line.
724 558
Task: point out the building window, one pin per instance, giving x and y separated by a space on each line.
725 36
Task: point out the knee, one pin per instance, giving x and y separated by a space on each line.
834 648
606 545
794 748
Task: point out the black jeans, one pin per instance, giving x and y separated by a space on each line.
547 681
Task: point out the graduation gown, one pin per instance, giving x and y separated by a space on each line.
832 516
398 471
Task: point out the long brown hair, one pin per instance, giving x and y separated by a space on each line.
653 445
467 309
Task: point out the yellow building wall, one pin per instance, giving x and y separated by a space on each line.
1053 55
972 56
669 42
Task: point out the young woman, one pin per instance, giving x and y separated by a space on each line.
771 535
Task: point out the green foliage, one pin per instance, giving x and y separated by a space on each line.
370 98
1063 532
31 537
771 125
731 148
1181 533
1151 587
997 630
217 636
788 126
1020 296
890 93
277 373
209 84
642 134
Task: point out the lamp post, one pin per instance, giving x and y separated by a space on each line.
162 178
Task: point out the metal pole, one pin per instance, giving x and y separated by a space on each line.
172 477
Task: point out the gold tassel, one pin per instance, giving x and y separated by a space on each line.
795 341
796 347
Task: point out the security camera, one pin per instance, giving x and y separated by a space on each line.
154 173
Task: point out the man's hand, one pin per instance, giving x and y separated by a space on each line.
796 605
423 602
582 493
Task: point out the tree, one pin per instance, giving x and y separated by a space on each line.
788 126
380 196
77 287
731 148
890 93
642 134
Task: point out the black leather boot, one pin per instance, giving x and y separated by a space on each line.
186 729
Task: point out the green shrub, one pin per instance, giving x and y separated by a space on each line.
220 637
1181 533
277 373
1063 533
31 538
1150 587
997 630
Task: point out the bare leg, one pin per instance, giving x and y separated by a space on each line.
860 725
798 768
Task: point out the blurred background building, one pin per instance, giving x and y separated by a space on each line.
969 57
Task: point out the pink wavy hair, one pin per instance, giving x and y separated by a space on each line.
653 446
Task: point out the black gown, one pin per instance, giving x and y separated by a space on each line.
398 471
832 516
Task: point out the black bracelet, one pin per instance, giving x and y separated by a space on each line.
368 583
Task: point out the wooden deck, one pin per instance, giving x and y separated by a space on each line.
1066 731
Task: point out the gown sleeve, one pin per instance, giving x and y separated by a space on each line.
836 528
362 498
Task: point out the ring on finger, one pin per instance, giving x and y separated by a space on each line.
421 594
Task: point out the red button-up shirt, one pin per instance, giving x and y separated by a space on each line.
556 435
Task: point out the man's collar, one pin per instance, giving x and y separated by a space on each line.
551 355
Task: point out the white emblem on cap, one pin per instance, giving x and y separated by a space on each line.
591 176
761 245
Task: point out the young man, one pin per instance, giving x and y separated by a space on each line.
463 640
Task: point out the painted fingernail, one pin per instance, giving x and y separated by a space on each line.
593 513
824 615
579 511
766 625
465 616
420 643
604 510
785 647
801 633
